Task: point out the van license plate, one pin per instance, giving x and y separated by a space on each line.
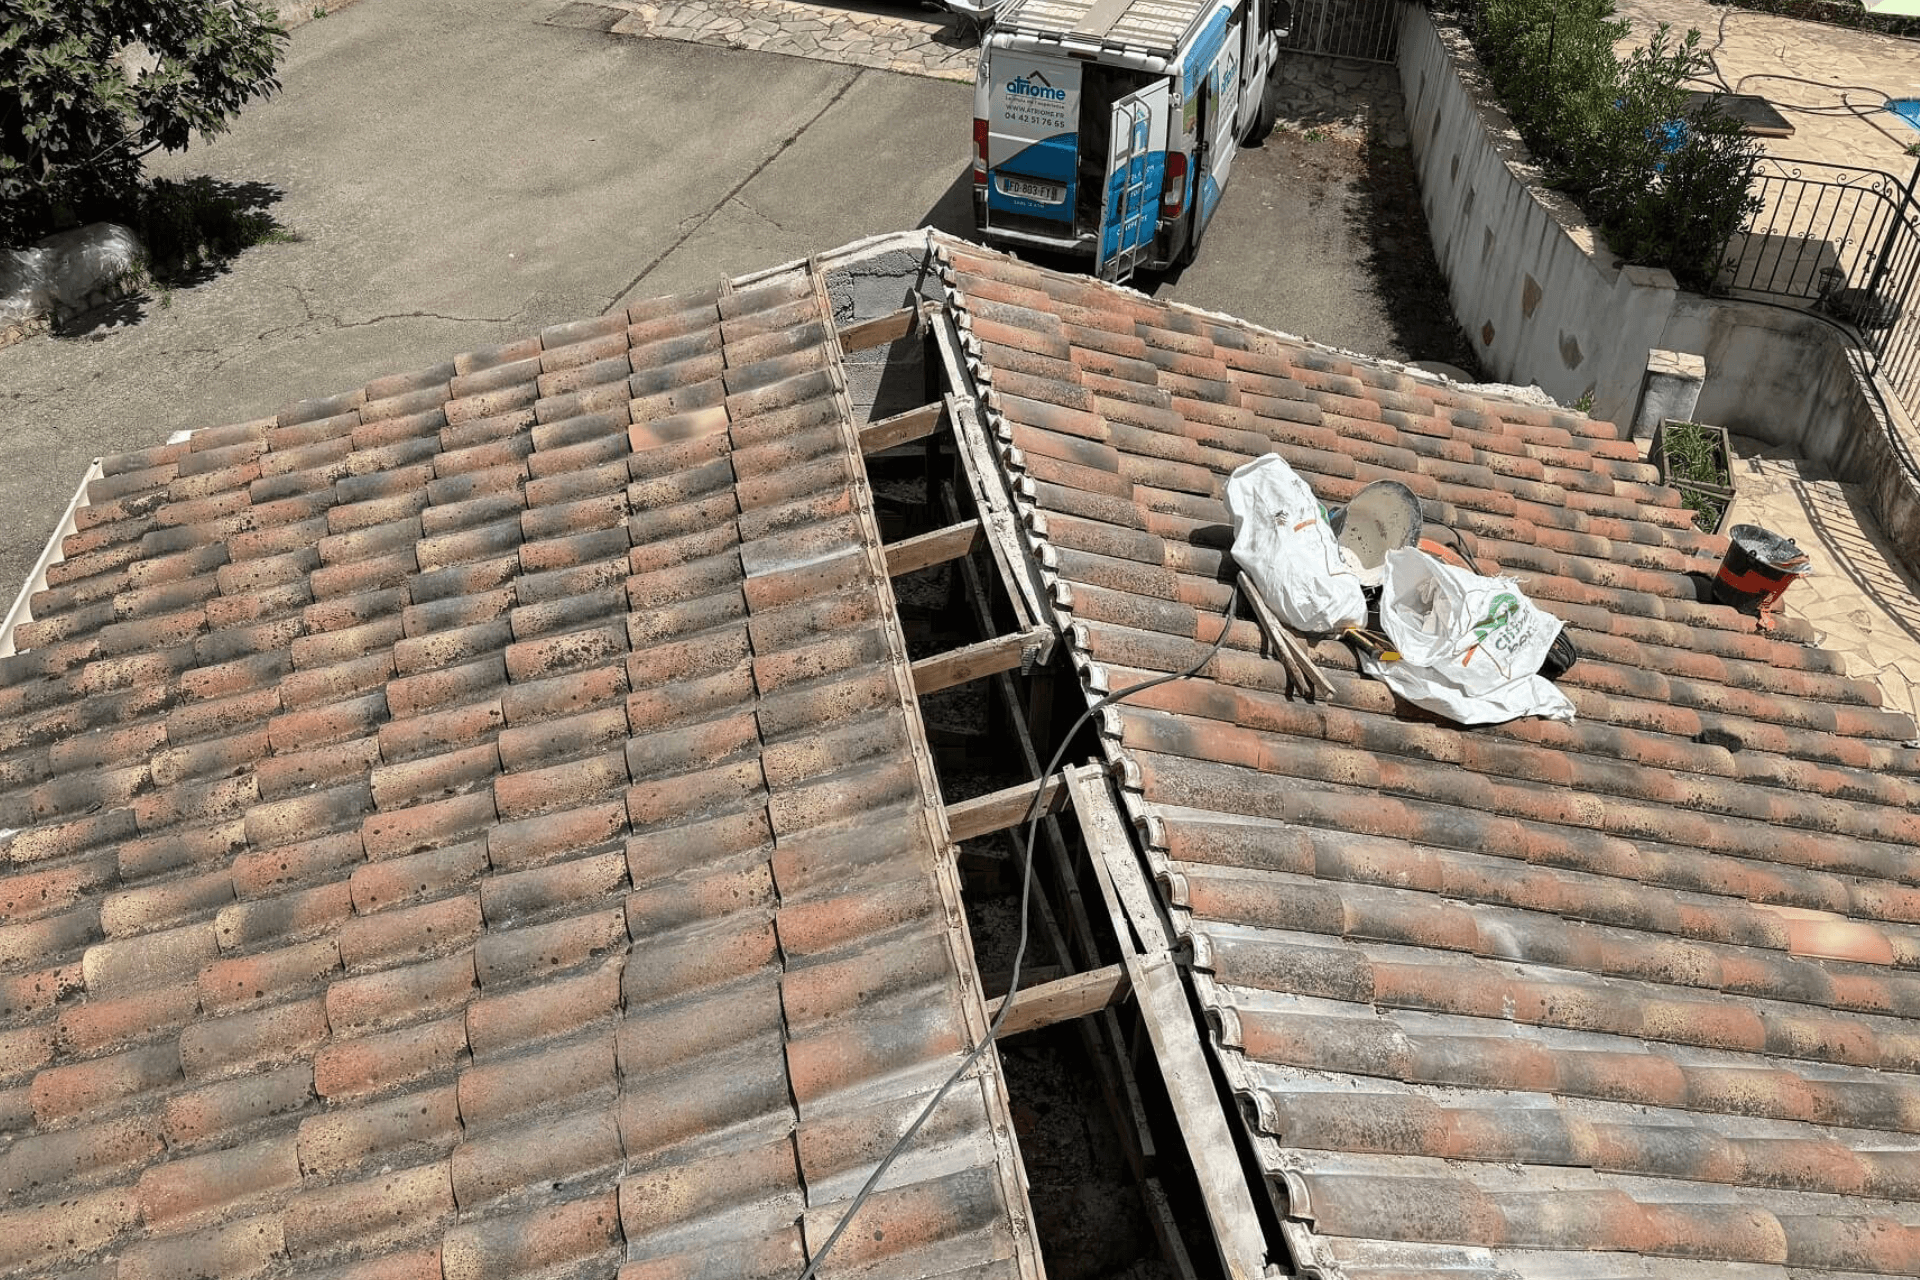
1026 189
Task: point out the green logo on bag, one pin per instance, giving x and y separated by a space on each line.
1504 609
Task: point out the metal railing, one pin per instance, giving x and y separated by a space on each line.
1845 239
1368 29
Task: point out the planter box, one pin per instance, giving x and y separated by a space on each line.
1711 496
1722 457
1705 496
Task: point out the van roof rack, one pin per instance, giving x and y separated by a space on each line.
1158 25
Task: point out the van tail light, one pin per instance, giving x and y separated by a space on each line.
979 152
1173 198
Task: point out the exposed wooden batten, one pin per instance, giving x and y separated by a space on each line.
971 662
937 547
1062 1000
1008 807
880 330
914 424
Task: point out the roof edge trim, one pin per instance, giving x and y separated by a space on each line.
50 555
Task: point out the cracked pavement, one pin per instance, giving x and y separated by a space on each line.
460 173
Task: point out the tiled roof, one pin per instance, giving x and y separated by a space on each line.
1631 996
481 824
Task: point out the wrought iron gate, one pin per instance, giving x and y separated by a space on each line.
1848 240
1367 29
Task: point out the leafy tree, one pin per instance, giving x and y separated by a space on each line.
75 123
1673 186
1665 182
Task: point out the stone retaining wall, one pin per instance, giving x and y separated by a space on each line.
1532 283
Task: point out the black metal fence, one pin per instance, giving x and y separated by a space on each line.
1368 29
1845 239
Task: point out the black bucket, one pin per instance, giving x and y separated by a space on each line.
1759 566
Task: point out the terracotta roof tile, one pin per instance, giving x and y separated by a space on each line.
528 1241
396 781
1634 985
555 1007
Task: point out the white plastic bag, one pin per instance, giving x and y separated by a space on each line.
24 293
67 272
1470 647
1281 541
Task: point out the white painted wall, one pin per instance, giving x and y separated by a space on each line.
1532 283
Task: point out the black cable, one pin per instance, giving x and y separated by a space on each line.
1034 814
1460 545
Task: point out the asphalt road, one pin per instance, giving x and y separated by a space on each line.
459 173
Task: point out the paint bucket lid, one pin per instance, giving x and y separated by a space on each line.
1382 517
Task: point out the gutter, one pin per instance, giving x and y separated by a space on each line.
50 555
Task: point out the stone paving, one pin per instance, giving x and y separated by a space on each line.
1831 83
1339 97
1860 600
899 37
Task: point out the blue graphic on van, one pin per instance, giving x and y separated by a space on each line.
1051 160
1206 47
1034 85
1120 232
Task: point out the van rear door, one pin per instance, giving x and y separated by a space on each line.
1213 72
1136 172
1033 144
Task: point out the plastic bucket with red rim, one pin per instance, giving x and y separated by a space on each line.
1758 568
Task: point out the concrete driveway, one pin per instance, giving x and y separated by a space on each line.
460 173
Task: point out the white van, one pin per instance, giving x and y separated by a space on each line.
1107 128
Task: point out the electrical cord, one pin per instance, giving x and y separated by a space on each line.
1034 814
1846 107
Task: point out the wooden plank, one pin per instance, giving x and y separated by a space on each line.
1202 1116
880 330
971 662
937 547
1062 1000
900 428
1033 975
1131 901
1166 1226
998 810
1292 654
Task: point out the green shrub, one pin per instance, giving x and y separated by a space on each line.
1601 128
74 125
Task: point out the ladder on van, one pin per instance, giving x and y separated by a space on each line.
1127 231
